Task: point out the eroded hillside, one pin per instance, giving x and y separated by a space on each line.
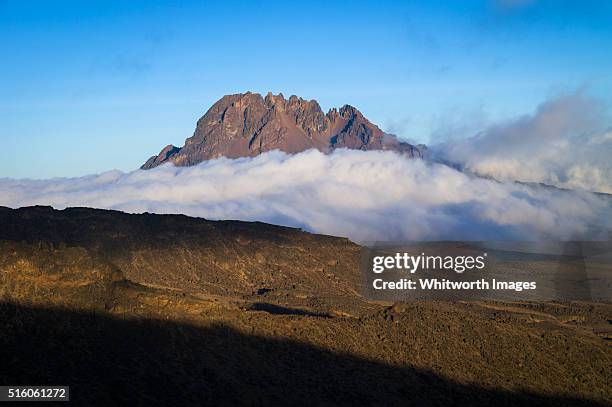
162 309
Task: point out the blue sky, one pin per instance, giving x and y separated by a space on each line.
90 86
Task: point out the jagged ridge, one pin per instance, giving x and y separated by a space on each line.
247 124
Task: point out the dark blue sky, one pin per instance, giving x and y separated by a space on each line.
88 86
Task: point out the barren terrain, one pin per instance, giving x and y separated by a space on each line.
164 309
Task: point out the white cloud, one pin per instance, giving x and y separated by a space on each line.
365 196
564 143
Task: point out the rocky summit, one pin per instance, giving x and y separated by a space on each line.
247 124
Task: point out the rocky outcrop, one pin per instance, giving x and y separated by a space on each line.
247 124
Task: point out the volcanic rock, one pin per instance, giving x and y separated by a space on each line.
247 124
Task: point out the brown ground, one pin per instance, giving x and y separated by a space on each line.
170 310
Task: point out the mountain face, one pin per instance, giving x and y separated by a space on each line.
247 124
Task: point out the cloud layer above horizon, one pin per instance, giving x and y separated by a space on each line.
567 143
366 196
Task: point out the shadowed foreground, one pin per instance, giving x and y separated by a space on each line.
171 310
108 360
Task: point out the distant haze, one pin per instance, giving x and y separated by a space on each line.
567 142
373 195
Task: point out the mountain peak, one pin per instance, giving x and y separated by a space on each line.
247 124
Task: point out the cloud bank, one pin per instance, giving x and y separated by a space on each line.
567 142
366 196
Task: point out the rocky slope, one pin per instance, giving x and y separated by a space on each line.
245 125
171 310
